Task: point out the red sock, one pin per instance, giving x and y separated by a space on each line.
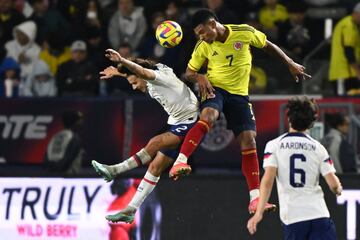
250 168
194 137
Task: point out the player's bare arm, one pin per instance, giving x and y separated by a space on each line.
205 87
136 82
133 67
266 186
110 72
334 183
296 70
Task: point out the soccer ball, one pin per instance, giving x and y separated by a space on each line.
169 34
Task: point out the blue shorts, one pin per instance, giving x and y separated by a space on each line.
179 130
316 229
236 108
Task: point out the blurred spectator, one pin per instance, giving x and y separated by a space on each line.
23 7
224 14
83 14
48 20
64 152
321 3
294 34
9 78
23 48
75 11
270 15
78 76
125 50
248 6
152 50
258 80
96 46
9 18
128 25
341 151
345 55
93 14
252 19
118 86
174 11
40 83
55 52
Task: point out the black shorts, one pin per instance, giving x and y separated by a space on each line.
236 108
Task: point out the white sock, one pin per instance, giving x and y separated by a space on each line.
181 159
145 187
140 158
254 194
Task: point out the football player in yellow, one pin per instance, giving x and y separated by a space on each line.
344 70
224 88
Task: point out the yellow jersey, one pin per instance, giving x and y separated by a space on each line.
346 34
268 17
55 61
229 63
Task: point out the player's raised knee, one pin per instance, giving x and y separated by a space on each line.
209 115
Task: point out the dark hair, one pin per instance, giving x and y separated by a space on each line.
145 63
71 117
334 119
296 7
92 32
56 41
302 112
202 16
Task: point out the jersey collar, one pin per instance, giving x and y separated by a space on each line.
228 37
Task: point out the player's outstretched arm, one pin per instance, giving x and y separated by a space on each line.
138 70
110 72
296 70
334 183
266 185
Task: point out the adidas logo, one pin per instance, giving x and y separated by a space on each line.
214 53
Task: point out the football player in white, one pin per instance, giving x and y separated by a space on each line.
296 160
177 100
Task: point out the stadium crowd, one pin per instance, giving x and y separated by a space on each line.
56 48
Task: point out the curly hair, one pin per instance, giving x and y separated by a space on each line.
302 112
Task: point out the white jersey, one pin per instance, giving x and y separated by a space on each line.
299 160
174 96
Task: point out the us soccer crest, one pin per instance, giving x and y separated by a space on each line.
238 45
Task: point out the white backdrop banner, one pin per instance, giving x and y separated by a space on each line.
54 208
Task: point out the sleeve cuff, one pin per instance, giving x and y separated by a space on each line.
192 67
327 172
265 165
